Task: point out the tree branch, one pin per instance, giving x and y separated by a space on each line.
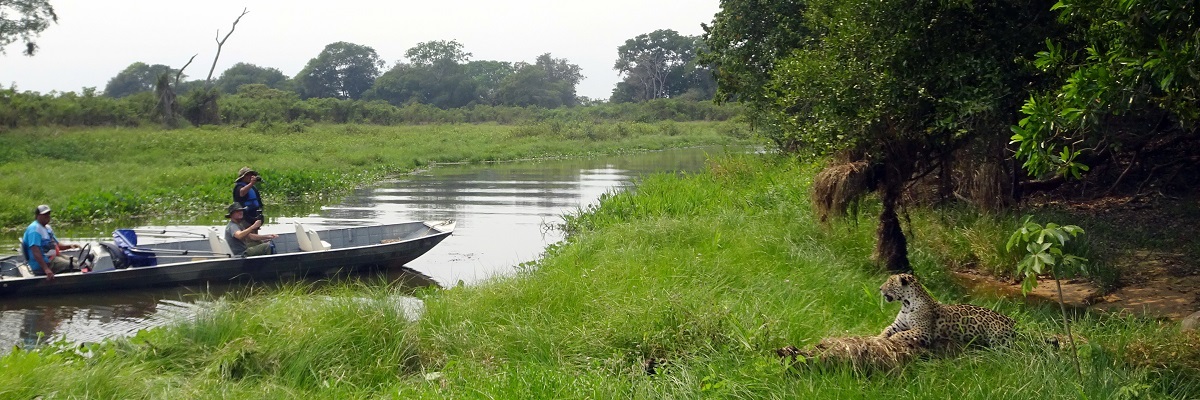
220 43
179 73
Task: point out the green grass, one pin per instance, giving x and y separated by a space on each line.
710 272
95 175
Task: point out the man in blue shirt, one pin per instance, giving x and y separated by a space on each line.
246 194
42 250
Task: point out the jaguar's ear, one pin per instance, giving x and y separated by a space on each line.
906 279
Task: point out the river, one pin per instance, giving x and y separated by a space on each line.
505 214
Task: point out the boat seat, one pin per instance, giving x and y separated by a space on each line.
309 240
316 241
216 240
302 238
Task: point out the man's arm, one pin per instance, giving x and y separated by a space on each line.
248 232
36 251
245 189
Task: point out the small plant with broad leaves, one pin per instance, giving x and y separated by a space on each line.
1045 250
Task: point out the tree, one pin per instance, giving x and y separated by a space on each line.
137 77
892 88
549 83
245 73
434 75
488 76
660 64
1126 89
342 70
24 20
437 52
743 43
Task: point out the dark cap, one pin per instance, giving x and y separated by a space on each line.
42 209
234 207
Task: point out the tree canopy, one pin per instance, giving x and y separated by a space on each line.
245 73
24 20
660 64
137 77
342 70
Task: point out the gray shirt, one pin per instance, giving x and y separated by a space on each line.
237 246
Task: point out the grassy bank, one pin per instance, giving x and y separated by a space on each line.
117 173
709 272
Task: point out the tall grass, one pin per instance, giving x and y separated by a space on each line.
120 173
708 272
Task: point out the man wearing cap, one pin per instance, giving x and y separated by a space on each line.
242 239
247 195
41 249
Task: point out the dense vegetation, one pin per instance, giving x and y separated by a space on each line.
257 104
708 273
931 101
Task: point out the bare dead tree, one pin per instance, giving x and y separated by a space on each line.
221 43
205 109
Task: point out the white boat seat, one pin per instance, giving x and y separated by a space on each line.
316 242
216 240
302 238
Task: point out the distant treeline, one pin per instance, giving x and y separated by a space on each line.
259 104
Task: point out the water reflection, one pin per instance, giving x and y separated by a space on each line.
503 213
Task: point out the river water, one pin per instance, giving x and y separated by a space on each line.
505 214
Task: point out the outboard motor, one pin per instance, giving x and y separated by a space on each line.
126 240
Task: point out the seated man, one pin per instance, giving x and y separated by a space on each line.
41 249
243 241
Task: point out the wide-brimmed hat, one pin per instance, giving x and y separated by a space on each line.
42 209
243 172
234 207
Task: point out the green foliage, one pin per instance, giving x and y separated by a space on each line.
341 71
136 78
886 73
1045 251
240 74
1122 59
24 20
661 64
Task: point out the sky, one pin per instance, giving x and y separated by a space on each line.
94 40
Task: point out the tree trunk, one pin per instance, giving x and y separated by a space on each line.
891 247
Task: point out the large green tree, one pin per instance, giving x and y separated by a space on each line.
24 20
893 88
660 64
342 70
136 78
549 82
434 75
488 75
245 73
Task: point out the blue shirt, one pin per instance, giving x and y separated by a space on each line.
37 235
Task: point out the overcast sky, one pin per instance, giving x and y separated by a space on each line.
96 39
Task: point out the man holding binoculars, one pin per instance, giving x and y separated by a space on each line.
246 194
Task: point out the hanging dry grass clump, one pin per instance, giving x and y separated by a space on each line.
838 188
863 354
986 187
